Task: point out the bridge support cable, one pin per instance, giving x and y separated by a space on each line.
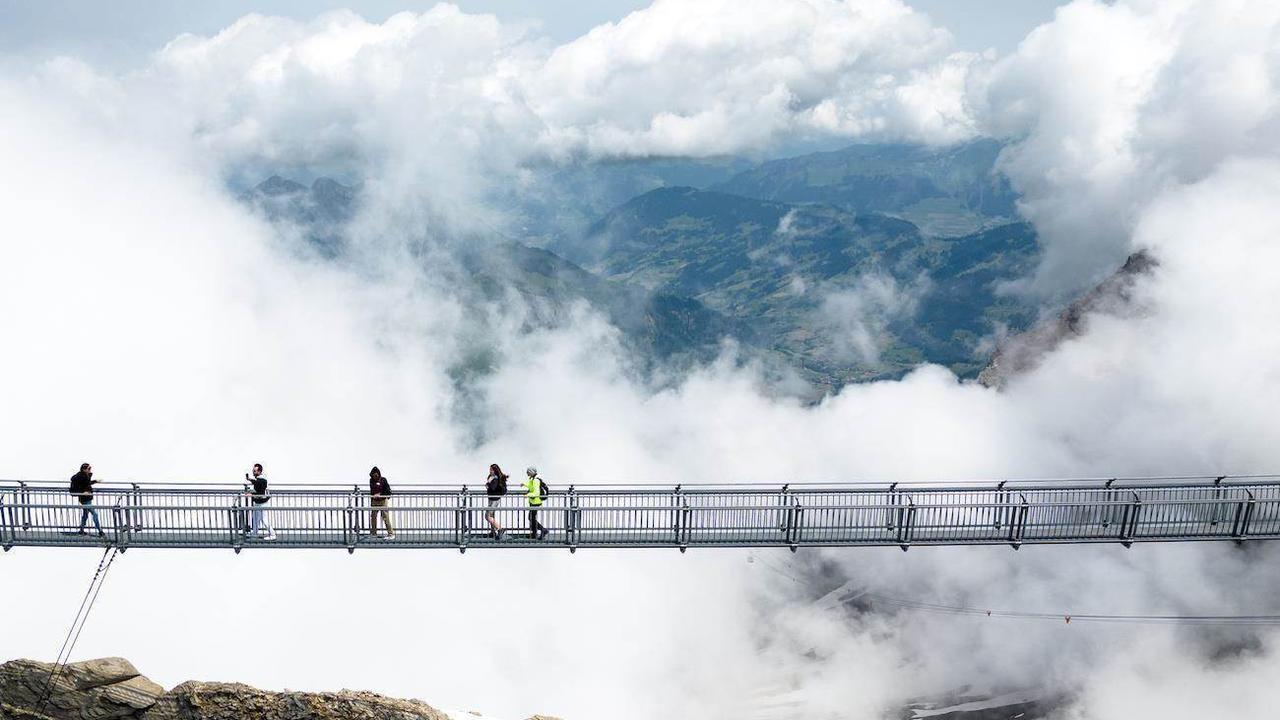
1068 617
77 626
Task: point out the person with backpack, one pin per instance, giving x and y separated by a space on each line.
536 491
495 486
379 494
82 487
256 491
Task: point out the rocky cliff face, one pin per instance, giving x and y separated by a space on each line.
1022 352
113 688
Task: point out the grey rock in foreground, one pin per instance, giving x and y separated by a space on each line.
113 688
104 688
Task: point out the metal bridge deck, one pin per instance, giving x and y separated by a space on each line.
980 513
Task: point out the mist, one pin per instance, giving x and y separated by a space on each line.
160 329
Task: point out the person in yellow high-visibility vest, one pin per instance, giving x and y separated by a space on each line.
533 489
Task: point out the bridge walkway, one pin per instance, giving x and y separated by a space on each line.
180 515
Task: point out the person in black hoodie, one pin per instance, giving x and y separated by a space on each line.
82 487
379 493
257 485
495 486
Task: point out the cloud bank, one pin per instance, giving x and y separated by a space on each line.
162 331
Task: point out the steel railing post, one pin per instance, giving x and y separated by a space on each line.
235 525
784 510
907 518
1002 504
357 513
1129 523
682 518
350 518
1018 521
789 514
795 523
1217 497
891 503
675 513
1108 506
119 519
6 528
1244 514
136 516
463 521
570 521
127 511
25 502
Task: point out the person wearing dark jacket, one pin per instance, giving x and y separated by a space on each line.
256 489
82 487
379 493
495 486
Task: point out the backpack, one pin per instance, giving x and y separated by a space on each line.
543 490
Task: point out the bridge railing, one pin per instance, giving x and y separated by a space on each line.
173 515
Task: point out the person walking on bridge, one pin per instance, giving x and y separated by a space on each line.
257 485
495 486
379 494
82 487
536 491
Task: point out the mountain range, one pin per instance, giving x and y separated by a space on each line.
841 266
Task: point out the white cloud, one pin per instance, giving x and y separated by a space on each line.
856 320
162 332
677 78
1111 104
680 78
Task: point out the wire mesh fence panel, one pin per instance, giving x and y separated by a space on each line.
978 515
857 516
605 518
1202 512
718 518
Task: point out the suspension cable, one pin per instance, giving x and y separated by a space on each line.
77 625
1069 617
1066 617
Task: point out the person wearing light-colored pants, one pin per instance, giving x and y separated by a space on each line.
379 505
256 490
379 493
258 519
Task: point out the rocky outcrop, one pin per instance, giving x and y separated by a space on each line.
233 701
98 689
1020 353
113 688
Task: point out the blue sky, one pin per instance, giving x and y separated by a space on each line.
123 31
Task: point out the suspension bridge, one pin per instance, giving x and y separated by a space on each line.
1011 512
